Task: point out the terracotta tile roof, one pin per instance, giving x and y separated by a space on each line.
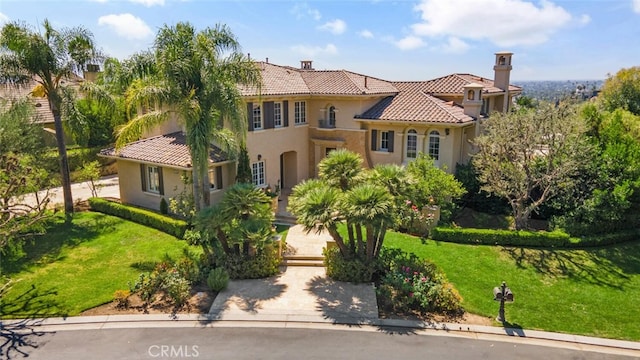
43 114
413 104
169 149
453 84
285 80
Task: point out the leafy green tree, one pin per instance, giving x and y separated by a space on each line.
244 174
194 76
22 206
527 157
90 172
48 58
622 91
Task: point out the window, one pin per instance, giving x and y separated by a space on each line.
434 145
257 173
332 116
257 117
277 114
215 178
300 112
151 178
485 106
384 141
412 144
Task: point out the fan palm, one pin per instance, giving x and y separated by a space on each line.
48 58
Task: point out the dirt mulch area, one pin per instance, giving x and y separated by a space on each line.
464 318
200 302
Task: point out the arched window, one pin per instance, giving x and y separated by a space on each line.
471 95
412 144
332 116
434 145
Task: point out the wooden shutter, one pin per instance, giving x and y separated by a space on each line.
250 116
268 114
160 181
390 149
285 112
219 177
374 140
143 177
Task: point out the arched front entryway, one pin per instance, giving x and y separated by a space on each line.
288 170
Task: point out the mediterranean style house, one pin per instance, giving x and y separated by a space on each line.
301 114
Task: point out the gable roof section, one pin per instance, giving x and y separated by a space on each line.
454 84
285 80
169 150
413 104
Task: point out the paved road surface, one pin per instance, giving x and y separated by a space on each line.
284 343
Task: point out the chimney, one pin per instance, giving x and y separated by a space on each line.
91 72
306 65
501 77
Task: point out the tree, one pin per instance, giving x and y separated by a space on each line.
194 76
243 175
48 58
528 156
21 174
622 91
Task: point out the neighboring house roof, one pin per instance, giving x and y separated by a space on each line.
413 104
169 150
454 84
43 114
285 80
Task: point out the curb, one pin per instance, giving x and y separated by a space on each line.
303 320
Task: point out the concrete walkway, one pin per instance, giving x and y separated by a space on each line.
109 187
297 293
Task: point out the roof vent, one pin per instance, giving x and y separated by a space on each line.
306 65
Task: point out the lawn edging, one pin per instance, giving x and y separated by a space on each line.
149 218
521 238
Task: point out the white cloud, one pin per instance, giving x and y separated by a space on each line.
3 18
148 3
336 26
410 42
126 25
302 10
366 34
584 19
636 6
455 46
503 22
312 51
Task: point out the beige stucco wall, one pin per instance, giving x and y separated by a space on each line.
131 186
347 108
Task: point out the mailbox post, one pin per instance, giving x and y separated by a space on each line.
502 294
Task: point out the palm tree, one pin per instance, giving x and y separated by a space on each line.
48 58
196 76
341 168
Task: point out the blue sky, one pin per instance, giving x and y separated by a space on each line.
393 40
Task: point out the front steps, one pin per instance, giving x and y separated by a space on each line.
303 260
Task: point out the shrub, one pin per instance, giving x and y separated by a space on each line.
177 287
122 298
501 237
164 207
353 270
265 263
149 218
218 279
164 277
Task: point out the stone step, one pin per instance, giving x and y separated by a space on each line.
285 219
302 262
303 257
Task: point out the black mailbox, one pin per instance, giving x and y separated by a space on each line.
497 294
503 294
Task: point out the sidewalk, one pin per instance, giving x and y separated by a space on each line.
81 191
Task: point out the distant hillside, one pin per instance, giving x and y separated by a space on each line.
553 90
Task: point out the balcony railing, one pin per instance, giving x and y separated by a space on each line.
325 124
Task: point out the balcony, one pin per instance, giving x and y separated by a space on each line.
326 124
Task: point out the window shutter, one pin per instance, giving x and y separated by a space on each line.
160 181
390 141
250 116
143 177
285 113
268 115
219 177
374 140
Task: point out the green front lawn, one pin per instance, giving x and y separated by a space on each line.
77 267
589 292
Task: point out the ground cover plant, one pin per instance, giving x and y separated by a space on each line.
79 266
583 291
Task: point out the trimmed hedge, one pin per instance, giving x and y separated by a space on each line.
149 218
556 239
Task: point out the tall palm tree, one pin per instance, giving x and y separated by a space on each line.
48 58
196 77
